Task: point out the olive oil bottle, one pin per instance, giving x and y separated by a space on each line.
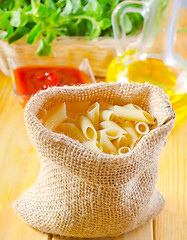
148 56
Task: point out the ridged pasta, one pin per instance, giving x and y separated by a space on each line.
107 115
93 114
124 150
101 127
112 125
133 106
134 142
128 126
122 141
93 145
87 128
55 116
107 145
112 133
133 114
142 128
73 131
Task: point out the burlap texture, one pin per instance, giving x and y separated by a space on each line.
86 194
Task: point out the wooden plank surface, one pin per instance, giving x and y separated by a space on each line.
18 164
171 224
19 167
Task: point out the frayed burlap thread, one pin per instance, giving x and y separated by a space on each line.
81 193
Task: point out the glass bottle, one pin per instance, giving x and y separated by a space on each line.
149 55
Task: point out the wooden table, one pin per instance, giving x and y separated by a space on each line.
19 167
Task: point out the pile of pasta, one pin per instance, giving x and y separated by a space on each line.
101 127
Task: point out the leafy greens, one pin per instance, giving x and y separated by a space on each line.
44 20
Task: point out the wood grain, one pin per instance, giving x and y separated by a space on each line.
18 164
171 224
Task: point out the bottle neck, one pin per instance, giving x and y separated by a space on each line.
165 38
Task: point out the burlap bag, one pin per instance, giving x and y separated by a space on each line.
86 194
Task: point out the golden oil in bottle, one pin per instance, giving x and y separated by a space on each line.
151 70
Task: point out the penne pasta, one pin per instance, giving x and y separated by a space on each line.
93 114
73 131
134 142
93 145
101 127
98 135
106 115
55 116
130 139
107 145
119 121
122 141
128 126
133 114
124 150
142 128
112 125
133 106
112 133
87 128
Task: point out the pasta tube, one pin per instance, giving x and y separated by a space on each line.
134 142
107 115
55 116
112 133
73 131
142 128
112 125
124 150
93 145
133 114
133 106
93 114
122 141
101 127
87 128
107 145
128 126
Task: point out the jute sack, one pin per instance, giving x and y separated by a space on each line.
81 193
